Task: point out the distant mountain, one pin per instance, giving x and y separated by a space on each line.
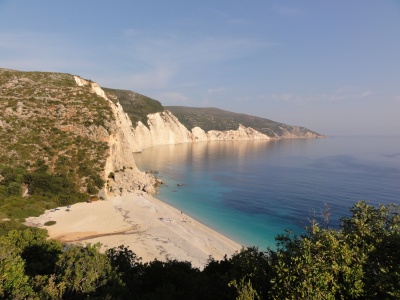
210 118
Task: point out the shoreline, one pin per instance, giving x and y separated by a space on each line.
151 228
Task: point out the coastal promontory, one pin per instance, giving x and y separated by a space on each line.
75 128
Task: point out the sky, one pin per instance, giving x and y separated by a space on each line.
332 66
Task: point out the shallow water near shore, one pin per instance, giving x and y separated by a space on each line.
251 191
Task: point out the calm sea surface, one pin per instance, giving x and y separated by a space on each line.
251 191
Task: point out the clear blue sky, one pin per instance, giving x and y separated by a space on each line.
332 66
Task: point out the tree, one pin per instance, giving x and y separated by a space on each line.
128 266
215 278
84 271
361 259
375 234
34 258
317 266
14 189
14 283
245 272
245 290
251 268
169 280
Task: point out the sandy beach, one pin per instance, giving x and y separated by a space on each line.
149 227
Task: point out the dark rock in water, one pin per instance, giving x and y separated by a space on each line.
151 172
158 182
180 184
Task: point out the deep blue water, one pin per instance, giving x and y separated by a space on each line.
253 190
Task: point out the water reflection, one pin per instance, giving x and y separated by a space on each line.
202 155
253 190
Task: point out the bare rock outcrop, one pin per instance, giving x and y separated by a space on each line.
241 134
164 129
122 143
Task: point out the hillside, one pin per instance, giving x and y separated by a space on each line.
210 118
47 119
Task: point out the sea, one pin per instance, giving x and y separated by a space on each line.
252 191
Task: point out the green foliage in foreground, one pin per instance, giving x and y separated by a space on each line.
361 260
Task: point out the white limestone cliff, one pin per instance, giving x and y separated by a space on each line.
241 134
122 144
165 129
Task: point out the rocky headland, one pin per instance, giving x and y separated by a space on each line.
70 121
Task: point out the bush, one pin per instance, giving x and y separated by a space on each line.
360 260
14 189
91 189
98 181
6 226
50 223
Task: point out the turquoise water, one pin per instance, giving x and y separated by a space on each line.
251 191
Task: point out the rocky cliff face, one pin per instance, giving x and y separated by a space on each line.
120 169
165 129
241 134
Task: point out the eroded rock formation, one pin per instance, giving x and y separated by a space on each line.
121 172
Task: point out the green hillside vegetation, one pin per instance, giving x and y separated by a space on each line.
49 144
135 105
210 118
360 260
47 116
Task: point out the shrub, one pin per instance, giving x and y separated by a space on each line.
50 223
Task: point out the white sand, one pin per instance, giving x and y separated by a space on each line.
149 227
